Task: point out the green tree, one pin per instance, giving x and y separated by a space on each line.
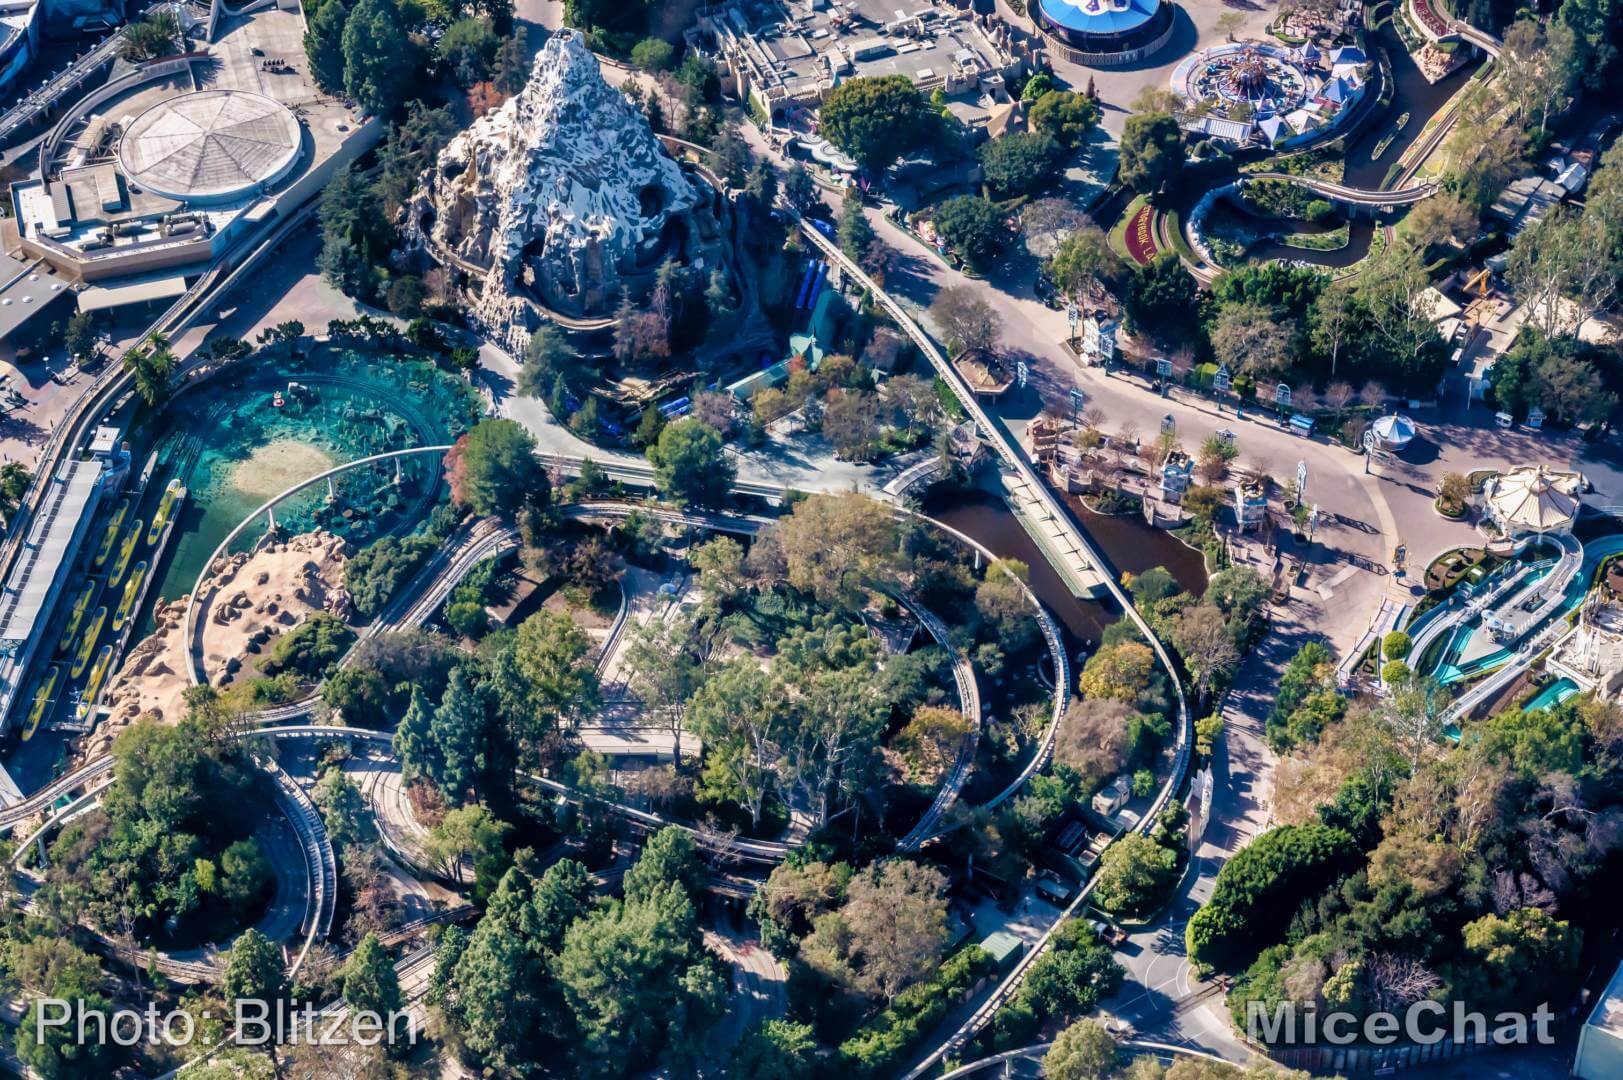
653 54
253 971
55 968
369 980
1069 117
1162 300
1134 875
776 1050
799 189
1083 1051
1597 27
151 362
854 235
81 337
158 34
324 43
499 987
470 834
380 59
460 734
347 217
975 228
690 466
1259 889
876 119
1083 262
344 811
641 986
1020 163
493 469
1525 956
543 681
511 69
547 355
669 856
468 50
1152 152
1068 980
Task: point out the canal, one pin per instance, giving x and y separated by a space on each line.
1127 542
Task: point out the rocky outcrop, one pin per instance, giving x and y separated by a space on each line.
554 201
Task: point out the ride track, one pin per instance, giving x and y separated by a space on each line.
114 383
1401 192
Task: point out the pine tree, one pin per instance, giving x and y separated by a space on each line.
369 979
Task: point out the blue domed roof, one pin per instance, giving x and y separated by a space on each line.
1099 16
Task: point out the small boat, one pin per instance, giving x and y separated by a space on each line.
88 643
132 592
87 699
276 400
42 701
125 551
172 494
114 524
76 616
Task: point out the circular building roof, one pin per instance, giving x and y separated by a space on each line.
210 146
1395 431
1100 18
1534 499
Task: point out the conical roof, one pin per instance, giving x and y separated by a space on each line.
1534 499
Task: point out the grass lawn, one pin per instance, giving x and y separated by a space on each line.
1118 232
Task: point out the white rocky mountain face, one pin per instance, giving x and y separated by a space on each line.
558 196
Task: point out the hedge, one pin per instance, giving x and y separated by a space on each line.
879 1046
1259 890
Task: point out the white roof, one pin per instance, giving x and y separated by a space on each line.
1534 498
210 144
1395 431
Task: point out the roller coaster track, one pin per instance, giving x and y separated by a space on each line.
1018 464
1359 196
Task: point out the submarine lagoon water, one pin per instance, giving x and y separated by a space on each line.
259 428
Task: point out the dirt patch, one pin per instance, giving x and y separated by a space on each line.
251 599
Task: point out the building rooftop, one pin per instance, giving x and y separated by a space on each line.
1533 499
1608 1011
216 144
1100 16
51 537
25 288
789 52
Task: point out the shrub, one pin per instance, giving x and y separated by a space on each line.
317 643
1259 890
1395 646
879 1046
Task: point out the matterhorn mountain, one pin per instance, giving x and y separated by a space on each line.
553 201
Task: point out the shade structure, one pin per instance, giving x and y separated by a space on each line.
1394 432
1533 499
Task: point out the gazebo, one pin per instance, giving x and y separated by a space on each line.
1393 432
1533 499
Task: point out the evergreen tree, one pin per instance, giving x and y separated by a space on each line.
324 44
855 235
460 734
380 60
369 980
254 970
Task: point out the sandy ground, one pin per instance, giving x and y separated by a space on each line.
264 474
290 579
